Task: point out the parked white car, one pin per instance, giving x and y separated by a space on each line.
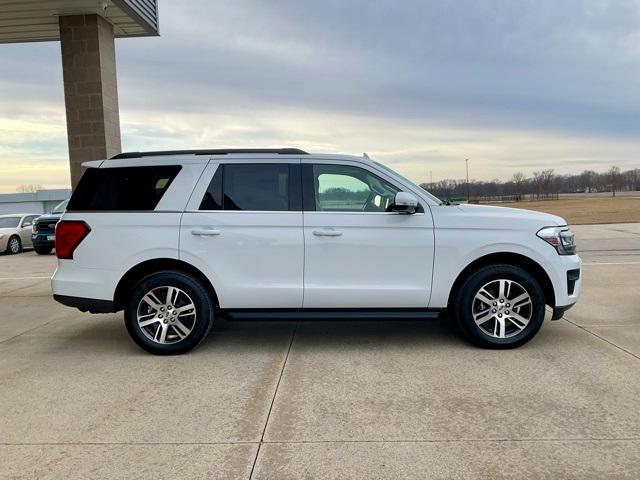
15 231
176 239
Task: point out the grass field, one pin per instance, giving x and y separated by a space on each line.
577 211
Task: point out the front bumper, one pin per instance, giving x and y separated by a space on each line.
567 284
558 312
43 240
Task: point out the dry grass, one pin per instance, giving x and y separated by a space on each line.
577 211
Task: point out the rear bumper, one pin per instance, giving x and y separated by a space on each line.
70 280
92 305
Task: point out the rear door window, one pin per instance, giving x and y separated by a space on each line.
9 222
122 188
254 187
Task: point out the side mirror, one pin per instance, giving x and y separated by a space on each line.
405 202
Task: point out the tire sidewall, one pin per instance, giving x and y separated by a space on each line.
192 287
474 282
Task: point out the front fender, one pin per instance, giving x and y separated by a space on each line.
452 256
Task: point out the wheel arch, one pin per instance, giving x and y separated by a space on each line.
508 258
148 267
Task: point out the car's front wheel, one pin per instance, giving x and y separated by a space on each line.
500 306
169 313
14 245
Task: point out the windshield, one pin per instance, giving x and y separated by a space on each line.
9 222
61 207
406 180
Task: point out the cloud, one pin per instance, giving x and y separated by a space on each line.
511 85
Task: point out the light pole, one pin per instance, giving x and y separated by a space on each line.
467 162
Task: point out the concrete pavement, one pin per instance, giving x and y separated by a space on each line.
287 400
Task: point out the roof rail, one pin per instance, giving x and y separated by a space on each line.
223 151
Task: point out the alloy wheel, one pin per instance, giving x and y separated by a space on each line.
502 308
166 315
14 245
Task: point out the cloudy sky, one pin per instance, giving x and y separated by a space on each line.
418 84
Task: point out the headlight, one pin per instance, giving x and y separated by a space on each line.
561 238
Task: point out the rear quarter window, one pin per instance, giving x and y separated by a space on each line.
122 188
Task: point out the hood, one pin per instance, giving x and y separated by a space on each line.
515 213
485 217
49 217
490 212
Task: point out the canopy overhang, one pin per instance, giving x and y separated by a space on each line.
37 20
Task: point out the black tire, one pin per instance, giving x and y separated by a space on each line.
43 250
464 305
195 292
14 245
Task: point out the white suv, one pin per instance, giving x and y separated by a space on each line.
176 239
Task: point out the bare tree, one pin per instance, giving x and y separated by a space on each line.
587 180
632 179
613 178
519 179
541 184
28 188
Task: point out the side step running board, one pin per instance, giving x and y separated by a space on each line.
330 314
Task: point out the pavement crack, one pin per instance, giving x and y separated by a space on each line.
460 440
25 332
346 441
273 399
602 338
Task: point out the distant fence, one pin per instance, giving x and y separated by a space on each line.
520 197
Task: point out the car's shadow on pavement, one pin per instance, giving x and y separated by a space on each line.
336 334
108 334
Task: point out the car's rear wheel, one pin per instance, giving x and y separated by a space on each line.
500 306
43 250
169 313
14 245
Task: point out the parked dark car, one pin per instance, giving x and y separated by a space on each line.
43 234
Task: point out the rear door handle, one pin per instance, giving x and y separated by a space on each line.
327 233
205 231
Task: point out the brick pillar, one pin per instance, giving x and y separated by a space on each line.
90 90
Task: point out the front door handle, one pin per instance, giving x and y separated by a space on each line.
205 231
327 233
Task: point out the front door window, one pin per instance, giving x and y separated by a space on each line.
343 188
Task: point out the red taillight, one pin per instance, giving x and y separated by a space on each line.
69 234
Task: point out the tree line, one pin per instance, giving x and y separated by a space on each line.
542 184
